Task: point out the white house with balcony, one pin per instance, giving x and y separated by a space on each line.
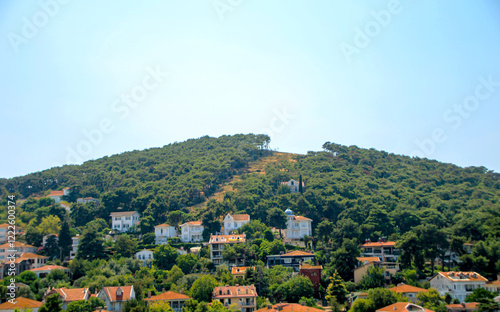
122 221
191 232
163 232
234 222
458 284
146 256
382 249
297 226
217 243
74 246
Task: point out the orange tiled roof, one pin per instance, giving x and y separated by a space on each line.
301 218
50 268
289 307
466 305
56 193
311 267
222 239
241 217
407 289
463 276
403 307
164 224
20 303
169 295
30 255
497 282
111 292
297 253
236 270
192 223
379 244
72 294
4 225
16 244
234 291
368 259
123 213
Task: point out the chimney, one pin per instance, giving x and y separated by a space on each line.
149 293
269 307
163 290
303 303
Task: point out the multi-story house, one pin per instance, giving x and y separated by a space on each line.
244 297
7 230
294 186
234 222
217 243
312 272
24 262
385 251
163 232
57 195
115 297
191 232
74 246
175 300
293 259
297 226
122 221
458 284
146 256
16 249
364 263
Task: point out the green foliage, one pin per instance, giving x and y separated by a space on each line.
186 262
374 278
432 300
65 240
336 289
90 246
125 246
295 288
53 303
89 305
202 288
165 257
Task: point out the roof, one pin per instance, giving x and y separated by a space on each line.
234 291
194 223
56 193
72 294
368 259
20 303
289 307
301 218
15 244
407 289
111 292
465 305
123 213
236 270
497 282
311 267
403 307
169 295
379 244
463 276
164 224
297 253
241 217
30 255
50 268
222 239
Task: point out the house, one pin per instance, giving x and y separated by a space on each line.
23 262
463 307
57 195
115 297
74 246
403 307
237 271
458 284
234 222
494 286
217 243
292 259
45 270
68 295
294 186
408 291
289 307
21 304
163 232
7 230
86 200
122 221
146 256
364 263
15 248
312 272
245 297
296 226
175 300
191 232
382 249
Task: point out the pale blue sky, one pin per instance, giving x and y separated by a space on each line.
260 66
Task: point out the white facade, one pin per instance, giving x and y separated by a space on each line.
57 195
458 284
163 232
16 248
191 232
74 246
123 221
297 226
293 185
145 255
234 222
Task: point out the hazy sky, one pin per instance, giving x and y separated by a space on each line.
84 79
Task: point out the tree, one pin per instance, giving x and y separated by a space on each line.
33 236
336 289
175 218
89 305
295 288
203 287
90 246
479 295
301 190
125 246
382 297
164 257
363 305
373 278
210 222
147 224
53 303
50 225
432 300
344 258
276 218
65 240
186 262
160 306
324 231
190 305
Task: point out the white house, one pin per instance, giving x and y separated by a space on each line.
85 200
297 226
7 228
123 220
146 256
217 243
74 246
164 231
457 284
57 195
191 232
15 248
234 222
293 185
115 297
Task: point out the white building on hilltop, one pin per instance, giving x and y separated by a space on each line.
191 232
57 195
163 232
234 222
294 186
458 284
122 221
297 226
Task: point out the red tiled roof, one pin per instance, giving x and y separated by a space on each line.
241 217
72 294
234 291
16 244
169 295
301 218
164 224
56 193
497 282
30 255
50 268
465 305
222 239
463 276
111 292
289 307
123 213
239 270
403 307
379 244
407 289
311 267
297 253
20 303
368 259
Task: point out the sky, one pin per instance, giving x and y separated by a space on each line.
80 80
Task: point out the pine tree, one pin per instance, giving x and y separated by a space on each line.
65 240
336 289
52 304
301 190
90 246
